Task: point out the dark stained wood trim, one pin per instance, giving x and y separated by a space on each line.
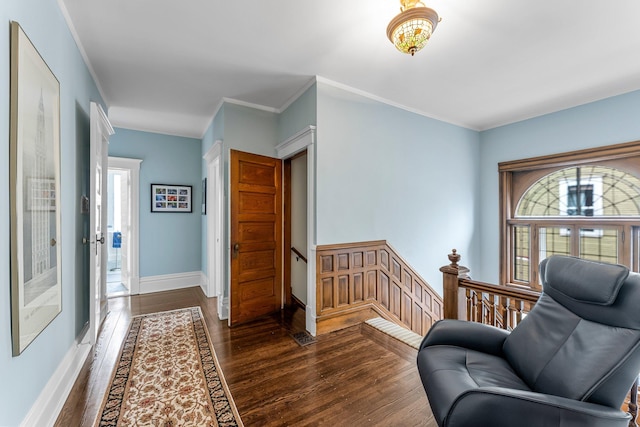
350 245
298 155
588 155
297 303
299 254
286 196
516 176
357 281
504 257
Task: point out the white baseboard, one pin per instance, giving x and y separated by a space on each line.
311 321
47 407
223 308
169 282
134 285
204 284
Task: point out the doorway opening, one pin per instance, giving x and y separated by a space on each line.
117 221
295 223
122 227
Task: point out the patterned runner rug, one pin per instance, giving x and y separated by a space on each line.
168 375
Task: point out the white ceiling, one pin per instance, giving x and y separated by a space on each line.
166 65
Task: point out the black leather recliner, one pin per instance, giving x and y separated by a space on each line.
570 362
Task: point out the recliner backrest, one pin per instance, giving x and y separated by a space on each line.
582 338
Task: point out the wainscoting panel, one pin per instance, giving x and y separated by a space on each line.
358 281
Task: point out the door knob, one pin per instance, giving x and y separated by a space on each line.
236 249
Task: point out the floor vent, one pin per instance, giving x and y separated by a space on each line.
303 338
396 331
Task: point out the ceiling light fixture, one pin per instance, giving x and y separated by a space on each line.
411 29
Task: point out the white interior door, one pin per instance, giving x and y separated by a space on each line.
215 254
100 131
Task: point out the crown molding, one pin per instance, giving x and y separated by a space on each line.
83 53
385 101
298 94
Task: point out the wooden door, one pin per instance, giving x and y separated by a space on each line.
100 131
256 236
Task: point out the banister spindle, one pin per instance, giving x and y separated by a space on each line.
504 308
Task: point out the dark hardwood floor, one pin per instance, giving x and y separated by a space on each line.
343 379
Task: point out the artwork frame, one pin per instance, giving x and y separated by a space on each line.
204 196
171 198
34 167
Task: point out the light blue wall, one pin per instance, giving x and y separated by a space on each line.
243 129
387 174
170 243
24 377
250 130
300 114
609 121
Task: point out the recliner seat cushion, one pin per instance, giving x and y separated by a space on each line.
546 346
448 371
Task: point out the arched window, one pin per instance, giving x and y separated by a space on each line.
584 204
594 191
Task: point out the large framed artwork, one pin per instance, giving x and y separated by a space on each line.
34 171
170 198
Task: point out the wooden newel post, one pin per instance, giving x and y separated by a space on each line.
454 302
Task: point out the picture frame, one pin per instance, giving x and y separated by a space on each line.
171 198
34 180
204 196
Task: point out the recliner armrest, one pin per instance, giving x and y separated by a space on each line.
501 407
470 335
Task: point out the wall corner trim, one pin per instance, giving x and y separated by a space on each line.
47 407
223 308
204 284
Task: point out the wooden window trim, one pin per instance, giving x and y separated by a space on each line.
573 158
560 160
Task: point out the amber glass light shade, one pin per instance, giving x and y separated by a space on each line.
411 29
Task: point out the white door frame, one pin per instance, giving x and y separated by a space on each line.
133 167
305 140
215 253
100 132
